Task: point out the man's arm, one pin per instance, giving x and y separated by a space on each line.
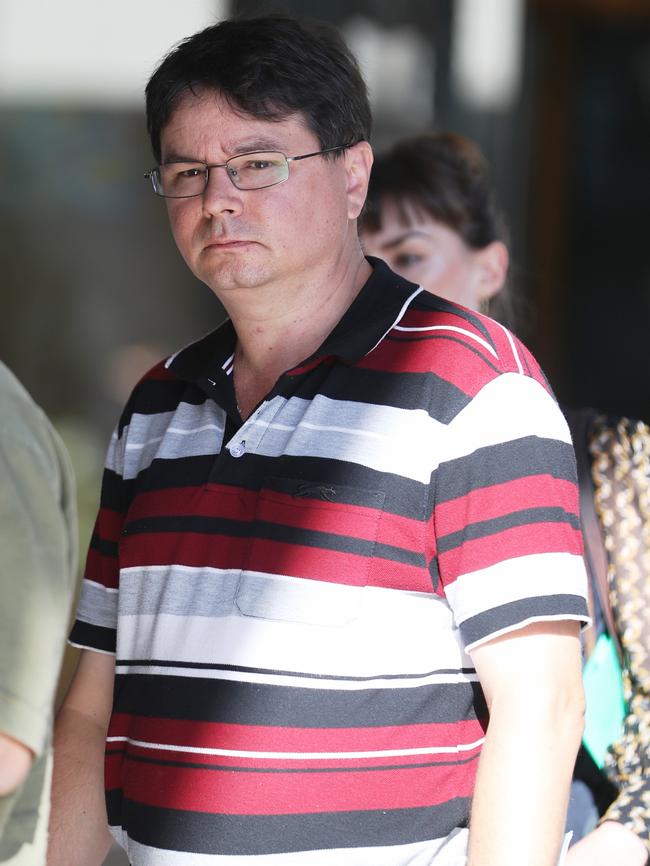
78 826
532 683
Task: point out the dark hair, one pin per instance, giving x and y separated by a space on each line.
269 67
442 175
446 177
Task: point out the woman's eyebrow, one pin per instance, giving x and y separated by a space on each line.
407 235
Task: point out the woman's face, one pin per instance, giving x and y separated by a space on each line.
430 254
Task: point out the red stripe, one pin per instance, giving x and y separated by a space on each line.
337 518
313 563
211 501
388 574
250 793
102 569
537 538
109 524
195 549
497 500
222 501
214 735
405 532
451 362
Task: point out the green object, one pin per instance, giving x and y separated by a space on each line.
602 679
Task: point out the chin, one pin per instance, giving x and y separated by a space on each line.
234 279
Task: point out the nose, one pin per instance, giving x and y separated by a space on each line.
220 195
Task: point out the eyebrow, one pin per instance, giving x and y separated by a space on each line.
405 236
251 145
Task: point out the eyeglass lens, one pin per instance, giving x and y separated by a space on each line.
248 171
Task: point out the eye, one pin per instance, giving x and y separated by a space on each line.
407 260
258 164
190 172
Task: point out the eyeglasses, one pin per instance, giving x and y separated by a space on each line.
257 170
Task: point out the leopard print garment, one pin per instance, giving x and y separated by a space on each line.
620 455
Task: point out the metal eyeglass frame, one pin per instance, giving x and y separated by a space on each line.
151 174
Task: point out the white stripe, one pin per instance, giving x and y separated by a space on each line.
508 408
316 683
405 306
423 635
178 431
455 328
305 425
301 756
513 347
91 648
228 362
536 575
101 585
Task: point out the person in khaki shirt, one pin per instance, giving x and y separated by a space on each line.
38 549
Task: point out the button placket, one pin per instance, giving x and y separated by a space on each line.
248 436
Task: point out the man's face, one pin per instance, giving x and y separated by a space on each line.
237 239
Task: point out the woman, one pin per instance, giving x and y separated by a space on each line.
431 214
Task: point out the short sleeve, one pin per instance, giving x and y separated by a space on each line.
95 626
37 572
506 513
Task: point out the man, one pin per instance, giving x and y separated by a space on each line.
37 573
322 525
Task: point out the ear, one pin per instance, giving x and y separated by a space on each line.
358 162
492 269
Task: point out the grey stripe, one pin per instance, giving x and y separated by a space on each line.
97 605
214 593
195 431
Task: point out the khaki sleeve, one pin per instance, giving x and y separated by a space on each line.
37 564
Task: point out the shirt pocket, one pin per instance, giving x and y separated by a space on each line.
309 552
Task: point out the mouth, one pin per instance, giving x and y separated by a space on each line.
226 244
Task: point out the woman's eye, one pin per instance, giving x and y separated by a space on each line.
407 260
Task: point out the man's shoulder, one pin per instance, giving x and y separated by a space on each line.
461 345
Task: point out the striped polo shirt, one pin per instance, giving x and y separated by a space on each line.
293 600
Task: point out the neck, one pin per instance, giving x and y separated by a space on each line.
276 330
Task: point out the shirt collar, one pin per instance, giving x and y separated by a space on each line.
377 307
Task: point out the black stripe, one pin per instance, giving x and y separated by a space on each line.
403 496
507 461
516 612
154 396
103 547
525 517
403 390
116 492
233 702
201 833
96 636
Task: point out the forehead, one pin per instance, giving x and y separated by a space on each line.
204 121
395 215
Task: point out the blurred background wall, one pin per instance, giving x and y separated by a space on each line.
92 290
